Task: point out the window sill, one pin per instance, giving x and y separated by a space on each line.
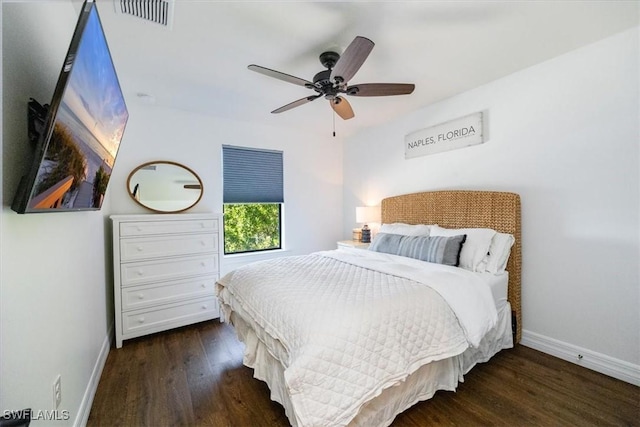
256 253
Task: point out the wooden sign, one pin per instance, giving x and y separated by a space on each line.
458 133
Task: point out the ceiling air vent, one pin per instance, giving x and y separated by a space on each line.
158 11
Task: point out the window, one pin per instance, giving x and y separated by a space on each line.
253 198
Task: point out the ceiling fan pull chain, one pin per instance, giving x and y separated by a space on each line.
334 123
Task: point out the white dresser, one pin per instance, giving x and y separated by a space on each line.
165 269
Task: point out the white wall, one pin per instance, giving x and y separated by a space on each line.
312 170
56 277
565 135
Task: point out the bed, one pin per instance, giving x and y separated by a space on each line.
354 337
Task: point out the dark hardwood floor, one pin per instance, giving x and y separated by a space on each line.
193 376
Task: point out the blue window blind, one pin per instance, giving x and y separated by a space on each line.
252 175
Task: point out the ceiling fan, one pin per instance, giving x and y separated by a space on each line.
333 82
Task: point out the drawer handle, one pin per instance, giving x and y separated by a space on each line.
202 243
203 285
204 306
140 296
140 272
141 320
204 264
139 248
139 228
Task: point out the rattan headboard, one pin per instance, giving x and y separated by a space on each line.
457 209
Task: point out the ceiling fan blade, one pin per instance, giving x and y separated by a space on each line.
294 104
281 76
352 59
381 89
342 107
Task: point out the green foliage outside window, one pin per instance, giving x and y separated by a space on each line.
251 227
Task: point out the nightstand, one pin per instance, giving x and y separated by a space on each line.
352 244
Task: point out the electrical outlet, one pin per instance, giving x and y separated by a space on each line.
57 392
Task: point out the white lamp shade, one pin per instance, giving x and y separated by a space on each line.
367 214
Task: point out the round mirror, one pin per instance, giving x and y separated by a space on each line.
164 186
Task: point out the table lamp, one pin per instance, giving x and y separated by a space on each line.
365 215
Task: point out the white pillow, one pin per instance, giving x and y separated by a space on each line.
405 229
499 251
475 247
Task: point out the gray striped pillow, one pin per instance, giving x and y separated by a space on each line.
438 249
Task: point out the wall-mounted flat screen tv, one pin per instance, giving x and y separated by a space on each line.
79 141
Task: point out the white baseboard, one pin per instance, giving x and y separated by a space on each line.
92 386
598 362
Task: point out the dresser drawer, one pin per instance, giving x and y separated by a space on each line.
136 297
160 318
145 228
135 273
139 248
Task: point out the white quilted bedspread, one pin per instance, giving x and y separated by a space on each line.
354 322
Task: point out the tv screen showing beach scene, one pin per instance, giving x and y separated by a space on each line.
85 126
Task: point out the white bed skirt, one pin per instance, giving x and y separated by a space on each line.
381 411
